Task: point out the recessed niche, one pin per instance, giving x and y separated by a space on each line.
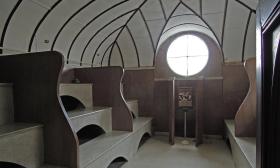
89 132
71 103
10 165
144 138
133 115
117 163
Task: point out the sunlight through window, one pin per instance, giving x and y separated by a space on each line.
187 55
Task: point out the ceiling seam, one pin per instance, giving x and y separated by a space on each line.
224 23
182 25
245 36
99 30
148 30
136 10
205 22
39 24
68 20
134 44
7 24
100 44
172 12
163 11
86 25
111 45
117 44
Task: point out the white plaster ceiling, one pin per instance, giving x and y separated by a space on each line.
129 31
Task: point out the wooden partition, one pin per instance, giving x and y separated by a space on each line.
35 79
138 84
107 92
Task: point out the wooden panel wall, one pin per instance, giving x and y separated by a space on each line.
107 92
222 98
139 84
35 78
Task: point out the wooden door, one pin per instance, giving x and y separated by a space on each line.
268 84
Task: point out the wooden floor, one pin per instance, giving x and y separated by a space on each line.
157 153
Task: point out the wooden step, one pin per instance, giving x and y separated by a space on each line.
133 107
101 116
22 143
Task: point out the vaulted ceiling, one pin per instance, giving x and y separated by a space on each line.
123 32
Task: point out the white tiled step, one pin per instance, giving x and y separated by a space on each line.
133 107
101 116
243 148
22 143
100 149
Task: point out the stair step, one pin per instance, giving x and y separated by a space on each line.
101 116
141 122
16 128
22 143
94 149
51 166
81 91
133 107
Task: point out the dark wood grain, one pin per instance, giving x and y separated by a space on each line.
107 92
35 78
268 118
171 103
245 118
138 84
67 76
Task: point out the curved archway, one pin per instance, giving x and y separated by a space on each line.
144 138
10 165
89 132
71 103
118 162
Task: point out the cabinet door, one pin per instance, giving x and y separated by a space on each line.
268 84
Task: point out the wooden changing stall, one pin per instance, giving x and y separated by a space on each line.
187 94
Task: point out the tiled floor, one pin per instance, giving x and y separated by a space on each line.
157 153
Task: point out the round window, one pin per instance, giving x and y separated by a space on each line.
187 55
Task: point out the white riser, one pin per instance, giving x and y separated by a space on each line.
82 92
6 103
97 116
126 148
133 106
23 147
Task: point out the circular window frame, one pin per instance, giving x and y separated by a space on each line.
187 56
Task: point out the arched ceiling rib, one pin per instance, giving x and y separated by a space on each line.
83 29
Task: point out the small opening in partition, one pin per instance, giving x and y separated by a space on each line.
144 138
71 103
117 163
89 132
10 165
